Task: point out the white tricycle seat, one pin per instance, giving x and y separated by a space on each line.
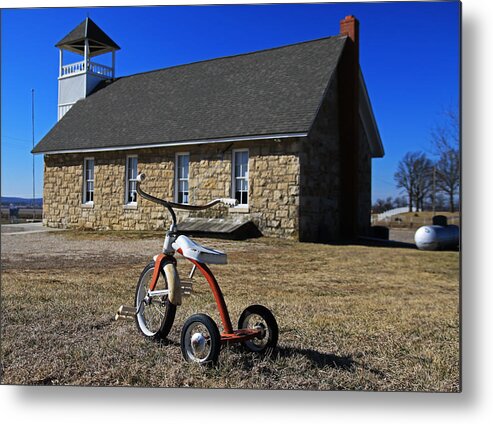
199 253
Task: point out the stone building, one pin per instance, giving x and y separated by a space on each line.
288 131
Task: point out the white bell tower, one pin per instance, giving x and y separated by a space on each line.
77 80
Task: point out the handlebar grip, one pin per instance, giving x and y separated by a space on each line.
141 177
229 202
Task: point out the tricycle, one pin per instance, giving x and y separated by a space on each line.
160 291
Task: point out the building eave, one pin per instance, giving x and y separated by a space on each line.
177 143
368 120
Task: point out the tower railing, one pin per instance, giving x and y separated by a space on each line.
81 67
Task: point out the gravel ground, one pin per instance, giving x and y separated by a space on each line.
42 250
14 229
402 235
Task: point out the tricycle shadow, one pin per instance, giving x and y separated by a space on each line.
321 360
318 359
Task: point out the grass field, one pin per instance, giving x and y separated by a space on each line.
350 317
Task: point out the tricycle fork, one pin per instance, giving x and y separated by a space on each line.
168 264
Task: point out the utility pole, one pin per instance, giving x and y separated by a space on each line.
32 115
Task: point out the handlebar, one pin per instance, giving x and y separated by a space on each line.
170 205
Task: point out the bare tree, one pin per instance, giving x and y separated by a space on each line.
379 206
424 179
413 175
405 176
448 175
382 205
399 202
445 136
445 141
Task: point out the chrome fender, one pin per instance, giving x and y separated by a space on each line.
174 285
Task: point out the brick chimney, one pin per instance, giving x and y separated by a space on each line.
348 82
350 27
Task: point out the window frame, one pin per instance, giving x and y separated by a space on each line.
127 179
234 178
177 178
85 180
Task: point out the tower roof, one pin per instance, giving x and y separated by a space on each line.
99 41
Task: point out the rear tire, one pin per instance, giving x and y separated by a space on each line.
155 316
259 317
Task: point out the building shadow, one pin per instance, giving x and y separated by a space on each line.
372 242
375 242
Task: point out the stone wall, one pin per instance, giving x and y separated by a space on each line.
364 184
321 188
320 175
274 170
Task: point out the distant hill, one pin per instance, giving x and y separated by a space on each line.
20 201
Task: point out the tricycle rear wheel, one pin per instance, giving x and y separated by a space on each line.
258 317
200 340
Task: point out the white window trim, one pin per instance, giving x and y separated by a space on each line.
127 180
84 181
233 177
176 175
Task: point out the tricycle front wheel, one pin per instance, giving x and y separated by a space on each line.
155 316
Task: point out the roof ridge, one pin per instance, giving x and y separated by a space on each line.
233 55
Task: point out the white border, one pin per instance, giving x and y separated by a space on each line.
83 405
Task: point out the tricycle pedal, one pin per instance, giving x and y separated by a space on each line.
186 287
125 312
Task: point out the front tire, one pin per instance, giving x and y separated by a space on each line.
260 318
200 340
155 316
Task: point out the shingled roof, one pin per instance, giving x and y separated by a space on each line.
99 41
269 92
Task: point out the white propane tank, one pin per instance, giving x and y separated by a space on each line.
437 237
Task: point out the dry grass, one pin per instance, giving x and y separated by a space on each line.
350 317
417 219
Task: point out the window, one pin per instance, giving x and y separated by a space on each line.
131 180
240 176
181 176
88 192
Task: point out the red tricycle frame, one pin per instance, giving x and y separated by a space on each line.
228 335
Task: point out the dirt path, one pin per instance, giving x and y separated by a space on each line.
402 235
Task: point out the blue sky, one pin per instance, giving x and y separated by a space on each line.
409 57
